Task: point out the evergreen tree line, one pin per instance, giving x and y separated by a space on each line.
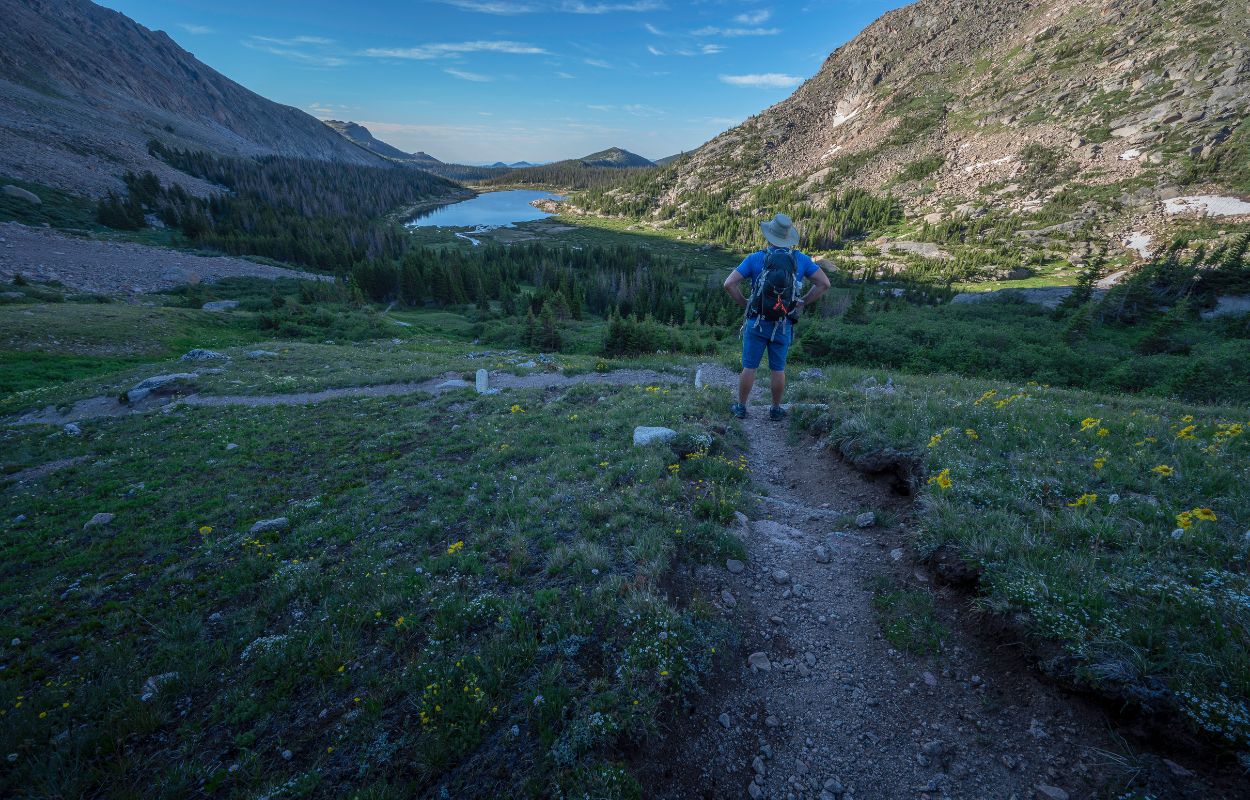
315 214
573 174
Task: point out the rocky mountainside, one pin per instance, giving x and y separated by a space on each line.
361 136
83 89
616 157
1002 105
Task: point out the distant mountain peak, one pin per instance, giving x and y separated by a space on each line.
616 157
360 135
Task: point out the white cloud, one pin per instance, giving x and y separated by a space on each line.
655 52
714 31
505 8
654 30
282 47
468 76
594 62
754 17
601 108
564 75
771 80
712 49
642 111
442 49
486 113
189 28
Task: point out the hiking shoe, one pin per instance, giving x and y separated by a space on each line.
738 410
776 412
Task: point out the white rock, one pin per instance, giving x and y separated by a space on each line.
734 565
1045 792
759 661
220 305
15 643
644 436
402 324
483 381
527 365
232 446
98 519
866 520
72 429
727 599
724 720
780 577
275 524
259 353
22 194
897 554
200 354
144 387
153 683
698 378
822 554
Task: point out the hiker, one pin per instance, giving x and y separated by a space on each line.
776 273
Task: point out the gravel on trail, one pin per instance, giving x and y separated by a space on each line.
104 267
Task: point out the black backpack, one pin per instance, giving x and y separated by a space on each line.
776 292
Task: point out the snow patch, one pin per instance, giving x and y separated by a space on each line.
1129 155
1139 242
831 151
980 164
1207 204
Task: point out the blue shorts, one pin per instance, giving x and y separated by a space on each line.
756 339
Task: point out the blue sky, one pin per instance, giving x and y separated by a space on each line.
536 80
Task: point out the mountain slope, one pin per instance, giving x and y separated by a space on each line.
615 157
361 136
1014 98
83 88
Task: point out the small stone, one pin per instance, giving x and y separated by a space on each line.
771 721
1177 769
929 679
800 768
98 519
724 720
897 554
15 643
286 755
232 446
72 429
767 750
644 436
759 661
866 520
1046 792
810 658
825 794
776 620
527 365
153 684
276 524
803 670
781 577
727 599
832 785
787 594
753 790
933 749
921 760
215 616
734 566
758 766
822 554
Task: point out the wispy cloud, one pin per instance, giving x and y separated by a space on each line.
655 52
754 17
468 76
443 49
711 49
651 28
190 28
642 111
287 48
506 8
712 30
601 108
770 80
564 75
594 62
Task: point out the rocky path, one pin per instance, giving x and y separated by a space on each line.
820 705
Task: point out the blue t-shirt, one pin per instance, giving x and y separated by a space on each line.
750 267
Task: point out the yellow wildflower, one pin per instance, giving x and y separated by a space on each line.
1164 470
1084 500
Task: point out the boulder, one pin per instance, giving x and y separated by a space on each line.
734 566
22 194
866 520
275 524
220 305
144 387
98 519
153 684
759 662
259 353
482 381
822 554
780 577
644 436
200 354
527 365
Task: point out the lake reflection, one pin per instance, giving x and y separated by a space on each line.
491 208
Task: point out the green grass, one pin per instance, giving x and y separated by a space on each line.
1084 515
453 567
908 618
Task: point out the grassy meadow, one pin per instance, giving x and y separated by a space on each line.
408 627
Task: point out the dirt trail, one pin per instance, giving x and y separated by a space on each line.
840 713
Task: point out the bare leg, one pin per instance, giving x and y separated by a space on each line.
777 382
745 381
